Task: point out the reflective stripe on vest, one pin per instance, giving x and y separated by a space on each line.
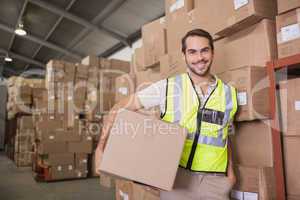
182 107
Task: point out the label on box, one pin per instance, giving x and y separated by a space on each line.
290 32
240 3
123 195
237 194
242 98
250 196
70 167
123 90
51 137
162 20
79 174
177 5
84 161
89 138
59 168
297 105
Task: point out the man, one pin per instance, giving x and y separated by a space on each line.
205 106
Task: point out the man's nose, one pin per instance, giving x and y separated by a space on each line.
200 55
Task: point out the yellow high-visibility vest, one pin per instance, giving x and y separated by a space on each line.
205 147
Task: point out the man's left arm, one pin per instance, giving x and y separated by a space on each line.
230 170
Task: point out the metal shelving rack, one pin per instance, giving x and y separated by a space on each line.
273 66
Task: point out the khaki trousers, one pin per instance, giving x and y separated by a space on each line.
198 186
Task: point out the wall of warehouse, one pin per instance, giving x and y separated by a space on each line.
125 53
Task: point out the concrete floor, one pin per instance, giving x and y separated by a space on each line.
18 184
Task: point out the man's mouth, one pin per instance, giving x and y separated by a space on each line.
201 64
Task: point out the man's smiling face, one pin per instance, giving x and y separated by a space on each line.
198 55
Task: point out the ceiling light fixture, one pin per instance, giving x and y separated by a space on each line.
20 29
7 58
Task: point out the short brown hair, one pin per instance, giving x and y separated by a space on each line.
200 33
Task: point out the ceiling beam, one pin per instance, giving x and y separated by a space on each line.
23 58
42 42
133 37
52 30
105 13
80 20
17 23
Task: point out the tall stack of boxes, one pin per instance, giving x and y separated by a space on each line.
63 145
249 42
290 109
20 134
288 40
288 28
24 141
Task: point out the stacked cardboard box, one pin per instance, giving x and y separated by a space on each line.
134 191
249 41
20 95
290 109
20 133
101 80
252 85
254 183
62 144
24 141
288 28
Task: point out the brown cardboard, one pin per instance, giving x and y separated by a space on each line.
252 86
259 183
288 33
289 105
172 64
177 26
61 172
60 135
210 15
113 67
284 5
252 144
26 122
219 65
154 41
292 164
58 159
52 147
125 86
107 101
134 191
138 59
240 15
293 197
254 46
173 7
81 161
91 60
145 78
132 132
23 159
84 146
107 180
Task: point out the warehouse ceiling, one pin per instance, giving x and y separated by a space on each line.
69 29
